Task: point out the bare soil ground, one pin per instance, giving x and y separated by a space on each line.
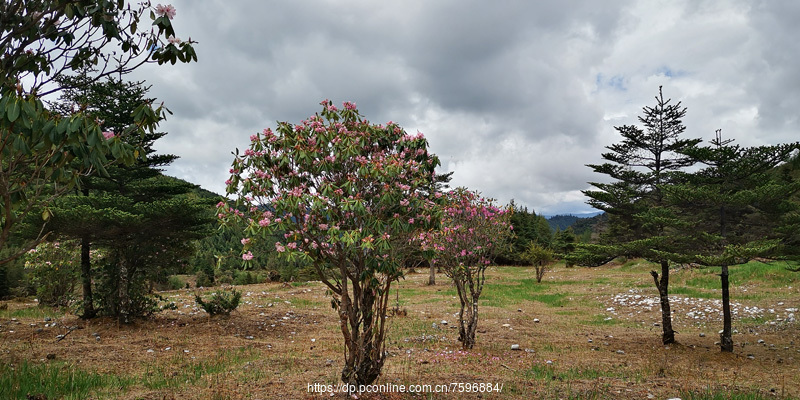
582 333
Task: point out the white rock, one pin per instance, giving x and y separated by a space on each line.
514 347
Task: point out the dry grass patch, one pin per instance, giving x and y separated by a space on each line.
281 339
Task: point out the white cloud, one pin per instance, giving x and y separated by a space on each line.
516 97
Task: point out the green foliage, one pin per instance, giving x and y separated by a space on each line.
641 165
203 279
53 381
528 227
248 277
736 208
562 222
564 242
53 270
222 302
44 153
145 220
85 33
540 257
43 156
348 196
175 282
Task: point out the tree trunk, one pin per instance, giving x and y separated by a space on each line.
362 319
667 334
725 338
123 293
472 324
467 315
86 279
432 277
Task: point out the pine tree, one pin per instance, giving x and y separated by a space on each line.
640 165
135 212
734 208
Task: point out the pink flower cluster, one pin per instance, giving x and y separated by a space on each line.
472 227
335 182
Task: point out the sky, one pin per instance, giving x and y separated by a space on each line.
515 97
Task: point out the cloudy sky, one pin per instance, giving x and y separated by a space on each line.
514 96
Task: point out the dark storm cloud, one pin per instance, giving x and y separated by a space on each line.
514 96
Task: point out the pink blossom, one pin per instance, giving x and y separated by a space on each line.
245 241
108 135
349 105
173 40
167 10
263 222
279 247
247 256
253 138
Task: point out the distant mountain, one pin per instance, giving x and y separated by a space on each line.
587 227
561 222
564 221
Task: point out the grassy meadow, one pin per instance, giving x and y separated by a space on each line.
581 333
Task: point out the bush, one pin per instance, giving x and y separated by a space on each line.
243 278
53 271
203 280
222 302
540 257
175 282
225 278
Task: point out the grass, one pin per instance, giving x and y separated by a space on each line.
178 372
34 312
510 295
275 353
692 292
771 275
602 320
56 380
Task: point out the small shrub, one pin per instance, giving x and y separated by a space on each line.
203 280
244 278
222 302
175 282
273 276
53 270
540 257
225 278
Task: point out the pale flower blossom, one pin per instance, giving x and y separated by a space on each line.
173 40
167 10
108 135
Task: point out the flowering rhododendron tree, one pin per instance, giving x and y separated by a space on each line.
473 230
347 197
44 153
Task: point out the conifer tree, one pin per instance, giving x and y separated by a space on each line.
640 165
734 208
143 218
